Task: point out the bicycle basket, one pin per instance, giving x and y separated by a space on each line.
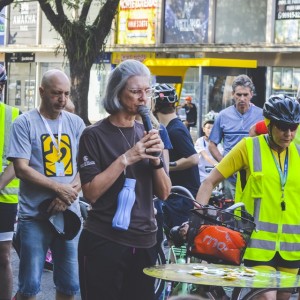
219 236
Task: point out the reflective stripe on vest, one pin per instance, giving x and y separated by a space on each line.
278 230
7 115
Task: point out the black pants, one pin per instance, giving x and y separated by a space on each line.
110 271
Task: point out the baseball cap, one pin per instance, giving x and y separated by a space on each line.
65 223
188 98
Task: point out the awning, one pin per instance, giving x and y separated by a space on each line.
174 67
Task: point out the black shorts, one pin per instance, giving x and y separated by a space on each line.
276 261
8 213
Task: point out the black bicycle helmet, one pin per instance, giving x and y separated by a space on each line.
3 76
282 108
164 94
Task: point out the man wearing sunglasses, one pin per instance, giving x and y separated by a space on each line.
233 123
270 189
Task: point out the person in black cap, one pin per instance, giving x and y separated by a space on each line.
43 148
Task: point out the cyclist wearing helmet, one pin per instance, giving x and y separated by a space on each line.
8 193
270 190
233 123
183 157
206 160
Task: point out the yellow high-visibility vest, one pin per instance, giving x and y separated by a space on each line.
276 217
7 115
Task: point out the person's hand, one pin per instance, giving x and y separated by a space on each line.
149 145
67 193
56 205
154 145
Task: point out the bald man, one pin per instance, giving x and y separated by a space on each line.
43 149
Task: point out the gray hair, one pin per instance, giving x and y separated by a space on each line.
117 81
243 80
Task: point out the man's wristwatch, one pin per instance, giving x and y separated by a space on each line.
161 164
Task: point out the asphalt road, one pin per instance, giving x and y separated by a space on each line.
47 286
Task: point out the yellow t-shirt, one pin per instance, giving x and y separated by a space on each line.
237 159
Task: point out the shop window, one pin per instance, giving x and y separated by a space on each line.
287 18
285 80
240 21
21 85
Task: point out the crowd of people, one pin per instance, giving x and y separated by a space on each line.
120 165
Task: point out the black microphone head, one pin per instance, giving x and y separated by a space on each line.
143 110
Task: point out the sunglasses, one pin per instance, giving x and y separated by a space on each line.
171 98
286 127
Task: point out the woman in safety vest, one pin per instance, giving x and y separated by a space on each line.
270 190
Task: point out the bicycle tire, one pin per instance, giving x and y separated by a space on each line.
238 293
159 284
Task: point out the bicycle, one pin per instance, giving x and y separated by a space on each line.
161 258
214 292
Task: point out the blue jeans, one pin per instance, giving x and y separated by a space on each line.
34 238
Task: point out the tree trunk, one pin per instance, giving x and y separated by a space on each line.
80 81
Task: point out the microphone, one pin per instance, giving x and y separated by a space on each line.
144 112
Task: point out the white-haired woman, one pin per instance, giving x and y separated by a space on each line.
112 259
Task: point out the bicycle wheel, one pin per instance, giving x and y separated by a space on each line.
159 283
249 294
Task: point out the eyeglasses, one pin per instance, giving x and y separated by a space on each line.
242 94
138 93
286 127
171 97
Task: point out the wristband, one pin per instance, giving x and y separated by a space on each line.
172 163
161 165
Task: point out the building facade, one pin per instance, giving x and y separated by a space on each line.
264 31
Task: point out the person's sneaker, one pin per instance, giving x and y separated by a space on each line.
48 265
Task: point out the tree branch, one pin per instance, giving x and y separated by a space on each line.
85 10
59 7
106 16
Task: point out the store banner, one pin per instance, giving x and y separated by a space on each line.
136 22
287 9
118 57
186 21
23 23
